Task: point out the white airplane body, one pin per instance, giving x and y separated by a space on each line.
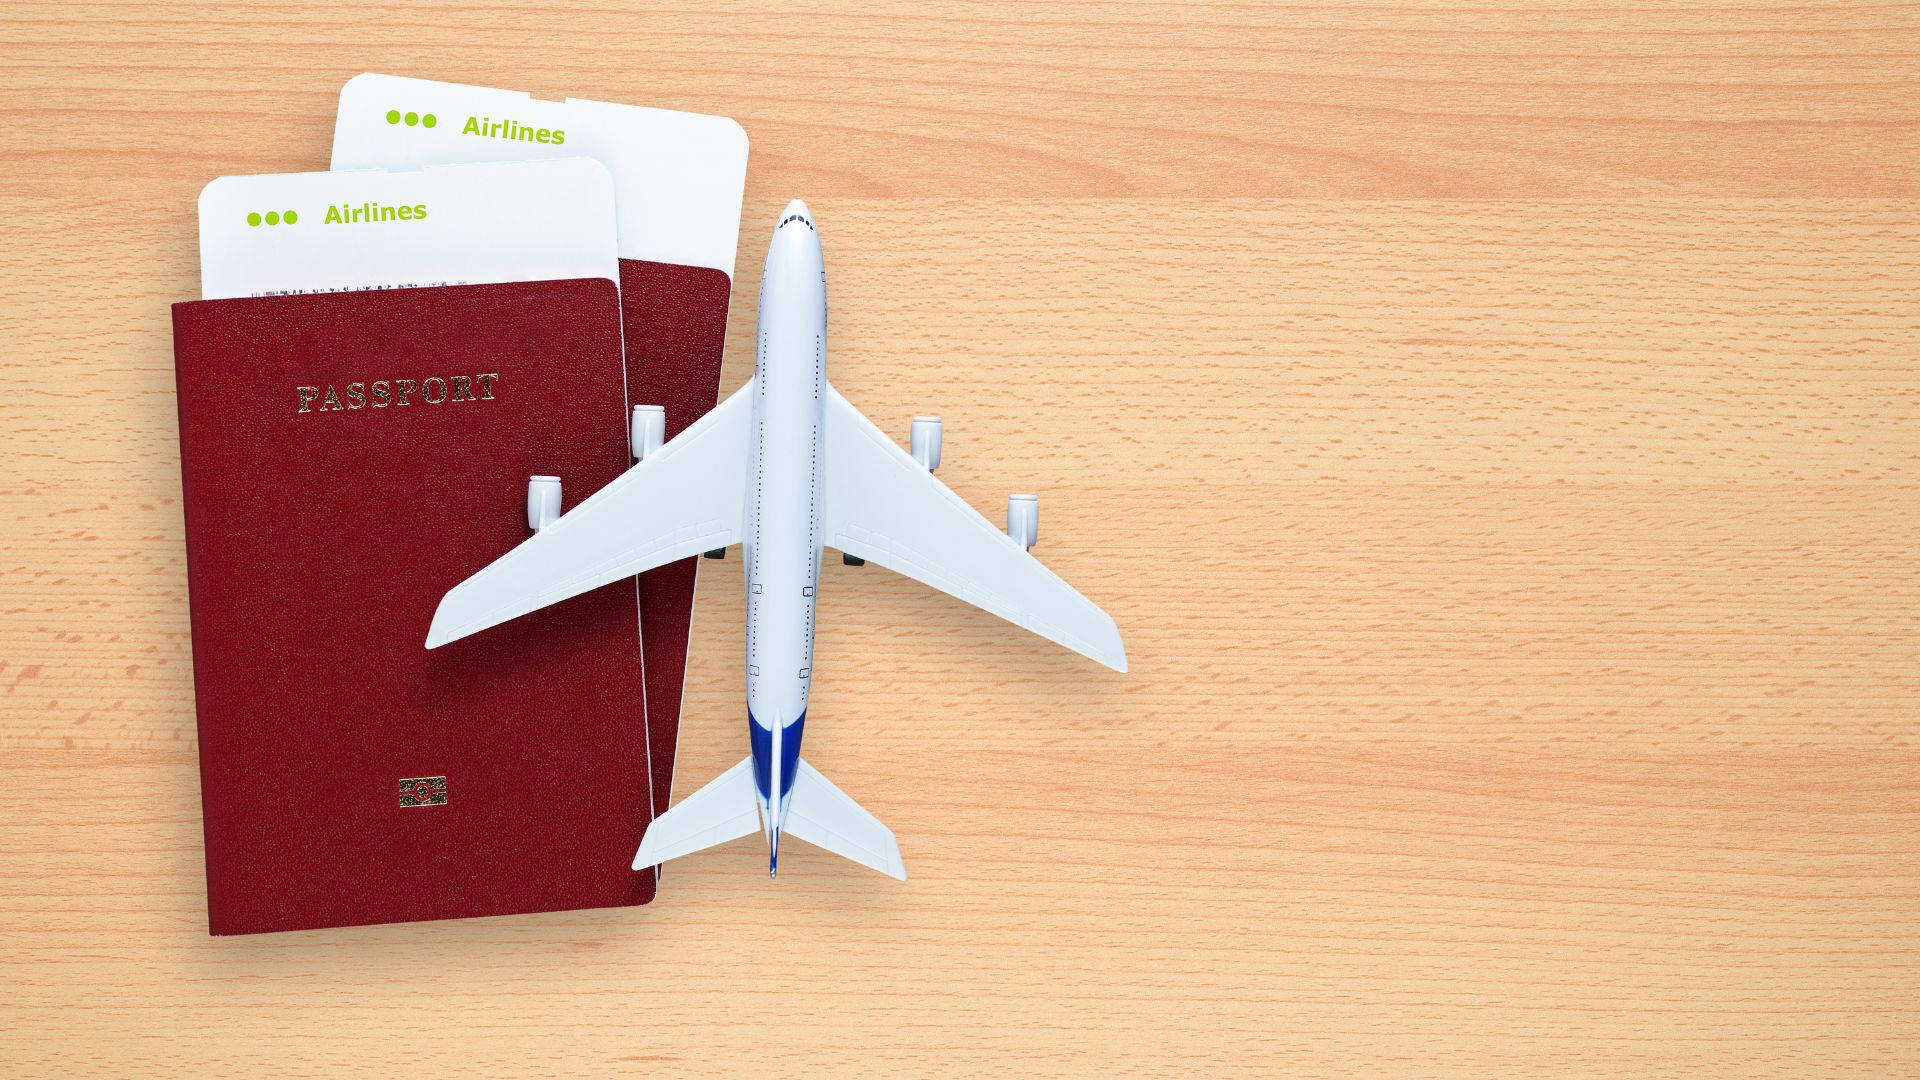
785 467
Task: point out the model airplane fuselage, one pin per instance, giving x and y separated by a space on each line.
782 544
785 467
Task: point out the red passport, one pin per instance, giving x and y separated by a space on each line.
346 459
676 333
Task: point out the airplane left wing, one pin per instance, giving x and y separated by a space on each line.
688 497
883 507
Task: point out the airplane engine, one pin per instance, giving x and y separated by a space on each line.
924 441
649 430
543 501
1023 519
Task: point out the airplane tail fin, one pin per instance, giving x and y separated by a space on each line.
729 808
824 816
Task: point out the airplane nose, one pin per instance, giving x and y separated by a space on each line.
796 211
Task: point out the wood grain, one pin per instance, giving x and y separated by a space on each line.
1496 429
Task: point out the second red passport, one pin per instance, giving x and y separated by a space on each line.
676 331
346 459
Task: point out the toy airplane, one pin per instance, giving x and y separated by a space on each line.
784 467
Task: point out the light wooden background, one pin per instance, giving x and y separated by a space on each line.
1495 427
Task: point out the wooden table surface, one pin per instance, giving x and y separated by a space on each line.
1496 429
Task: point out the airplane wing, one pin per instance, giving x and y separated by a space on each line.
883 507
685 499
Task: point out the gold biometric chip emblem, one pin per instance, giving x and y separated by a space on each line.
423 791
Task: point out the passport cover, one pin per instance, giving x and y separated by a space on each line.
676 331
346 459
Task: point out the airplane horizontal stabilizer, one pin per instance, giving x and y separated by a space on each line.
825 816
726 809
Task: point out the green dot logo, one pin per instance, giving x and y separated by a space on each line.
253 218
289 217
411 119
273 217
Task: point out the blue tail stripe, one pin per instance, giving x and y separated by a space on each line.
790 753
761 740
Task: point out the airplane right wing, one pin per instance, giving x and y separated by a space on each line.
688 497
883 507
